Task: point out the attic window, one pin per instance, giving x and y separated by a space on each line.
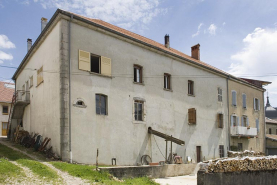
80 103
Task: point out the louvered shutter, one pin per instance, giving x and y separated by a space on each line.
247 121
257 124
242 123
232 121
84 60
254 104
106 66
244 100
234 98
192 115
237 121
258 104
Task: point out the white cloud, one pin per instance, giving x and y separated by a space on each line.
5 56
198 30
1 62
212 29
258 58
5 42
124 12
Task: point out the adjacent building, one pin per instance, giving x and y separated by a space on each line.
6 94
92 85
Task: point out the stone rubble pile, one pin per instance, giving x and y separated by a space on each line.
245 153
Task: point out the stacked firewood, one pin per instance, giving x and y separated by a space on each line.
240 164
245 153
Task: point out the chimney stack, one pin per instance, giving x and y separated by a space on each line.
166 41
43 23
29 44
195 51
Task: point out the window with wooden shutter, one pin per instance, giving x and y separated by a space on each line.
257 125
220 120
219 96
234 98
40 76
221 151
192 116
106 66
244 100
84 60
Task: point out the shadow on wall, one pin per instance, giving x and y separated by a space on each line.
146 141
213 140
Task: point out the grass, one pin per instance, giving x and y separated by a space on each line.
9 171
88 173
36 167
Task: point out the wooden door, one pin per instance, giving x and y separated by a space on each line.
4 128
198 153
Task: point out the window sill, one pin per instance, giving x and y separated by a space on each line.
139 83
40 83
98 74
81 106
139 122
234 106
5 113
168 90
191 95
101 114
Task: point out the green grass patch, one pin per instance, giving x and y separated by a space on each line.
39 169
11 154
87 172
9 171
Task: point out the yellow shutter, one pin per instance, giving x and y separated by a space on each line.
39 76
192 115
84 60
106 65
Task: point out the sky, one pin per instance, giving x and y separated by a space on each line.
239 37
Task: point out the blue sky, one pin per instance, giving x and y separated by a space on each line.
236 36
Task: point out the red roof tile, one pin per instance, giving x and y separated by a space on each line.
6 92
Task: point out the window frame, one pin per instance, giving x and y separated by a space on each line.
219 95
221 151
220 120
167 78
191 88
4 113
106 104
244 102
194 119
256 104
269 130
234 101
140 69
135 104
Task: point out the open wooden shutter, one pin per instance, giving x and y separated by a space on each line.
259 104
192 115
106 66
232 121
247 121
254 104
84 60
238 121
242 122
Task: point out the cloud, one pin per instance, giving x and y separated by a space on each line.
212 29
258 57
198 30
1 62
5 56
5 42
123 12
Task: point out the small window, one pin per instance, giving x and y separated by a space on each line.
5 110
101 104
95 64
256 104
234 120
257 125
221 151
190 87
234 98
23 89
192 116
269 131
167 81
31 81
138 110
244 121
137 74
244 100
39 76
80 102
219 96
220 120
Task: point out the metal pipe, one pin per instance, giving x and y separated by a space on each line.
165 151
69 85
171 155
229 125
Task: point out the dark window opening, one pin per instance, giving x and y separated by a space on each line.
95 64
138 110
221 151
167 81
219 91
137 74
190 87
220 120
101 104
80 103
5 110
269 131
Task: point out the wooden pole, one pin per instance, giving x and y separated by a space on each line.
97 159
171 157
166 151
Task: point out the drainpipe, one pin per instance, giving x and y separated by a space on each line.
263 119
69 85
229 134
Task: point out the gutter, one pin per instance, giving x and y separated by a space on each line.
229 125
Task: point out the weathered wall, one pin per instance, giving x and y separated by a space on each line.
117 135
268 177
273 128
257 144
42 115
3 117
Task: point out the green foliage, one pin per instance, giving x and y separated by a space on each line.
8 170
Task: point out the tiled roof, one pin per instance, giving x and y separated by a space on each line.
268 120
271 136
6 92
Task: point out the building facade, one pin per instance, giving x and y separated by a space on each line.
93 85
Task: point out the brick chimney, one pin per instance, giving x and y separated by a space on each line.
195 51
166 41
44 22
29 44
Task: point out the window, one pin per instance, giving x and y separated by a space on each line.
219 92
244 121
23 89
39 76
101 104
5 110
221 151
31 81
257 125
269 131
192 116
244 101
256 104
138 108
94 63
240 147
190 87
234 98
220 120
137 74
234 120
167 81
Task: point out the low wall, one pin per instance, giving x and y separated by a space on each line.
265 177
169 170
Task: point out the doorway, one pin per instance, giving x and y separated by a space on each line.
198 153
4 128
